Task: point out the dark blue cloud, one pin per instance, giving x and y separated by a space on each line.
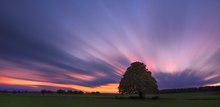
188 78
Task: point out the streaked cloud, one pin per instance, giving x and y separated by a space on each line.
86 44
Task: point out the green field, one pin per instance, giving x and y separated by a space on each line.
166 100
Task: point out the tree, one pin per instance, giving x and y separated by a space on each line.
60 91
138 80
69 92
43 91
97 92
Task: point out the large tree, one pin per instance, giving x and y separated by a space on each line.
138 80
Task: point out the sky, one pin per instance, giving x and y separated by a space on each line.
88 44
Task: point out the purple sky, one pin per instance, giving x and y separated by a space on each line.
90 43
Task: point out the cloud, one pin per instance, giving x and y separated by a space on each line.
92 43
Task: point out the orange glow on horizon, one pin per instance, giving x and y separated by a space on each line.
107 88
215 84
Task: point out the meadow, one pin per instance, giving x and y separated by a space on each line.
208 99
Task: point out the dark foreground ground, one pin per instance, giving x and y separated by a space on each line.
211 99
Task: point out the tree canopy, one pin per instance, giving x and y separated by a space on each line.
138 80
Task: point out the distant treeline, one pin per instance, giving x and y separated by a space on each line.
44 91
60 91
180 90
194 89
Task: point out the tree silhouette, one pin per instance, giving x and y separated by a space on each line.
138 80
69 92
60 91
43 91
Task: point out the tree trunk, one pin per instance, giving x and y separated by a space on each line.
141 95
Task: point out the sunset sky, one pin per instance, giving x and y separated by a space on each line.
88 44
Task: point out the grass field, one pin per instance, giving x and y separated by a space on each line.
166 100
